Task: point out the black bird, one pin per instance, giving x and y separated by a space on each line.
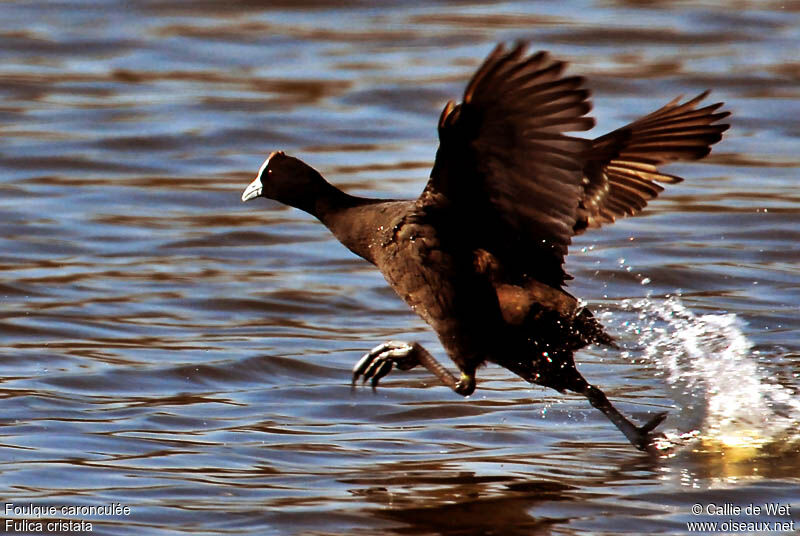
480 254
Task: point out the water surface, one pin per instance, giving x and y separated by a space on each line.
172 350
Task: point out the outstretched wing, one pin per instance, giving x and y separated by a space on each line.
622 173
505 170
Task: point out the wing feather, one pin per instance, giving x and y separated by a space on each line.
513 183
622 172
505 165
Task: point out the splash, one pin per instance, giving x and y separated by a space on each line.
710 365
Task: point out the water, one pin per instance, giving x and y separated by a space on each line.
712 366
173 351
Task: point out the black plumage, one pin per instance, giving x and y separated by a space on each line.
480 254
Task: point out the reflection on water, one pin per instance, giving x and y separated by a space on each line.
170 349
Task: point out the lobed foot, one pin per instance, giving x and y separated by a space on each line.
642 438
379 361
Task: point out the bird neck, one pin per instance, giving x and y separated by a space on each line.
329 202
347 216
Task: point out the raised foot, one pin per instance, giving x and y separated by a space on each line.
379 361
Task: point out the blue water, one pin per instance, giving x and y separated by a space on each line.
173 351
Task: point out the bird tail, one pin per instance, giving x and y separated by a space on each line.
591 330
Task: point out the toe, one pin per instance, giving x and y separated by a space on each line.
383 370
654 422
379 361
373 368
362 365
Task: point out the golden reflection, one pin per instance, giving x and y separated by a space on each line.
732 458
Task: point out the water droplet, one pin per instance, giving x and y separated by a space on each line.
710 359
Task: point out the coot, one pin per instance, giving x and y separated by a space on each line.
479 255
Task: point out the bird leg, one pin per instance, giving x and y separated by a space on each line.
639 436
566 376
379 362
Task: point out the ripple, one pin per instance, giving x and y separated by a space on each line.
174 350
